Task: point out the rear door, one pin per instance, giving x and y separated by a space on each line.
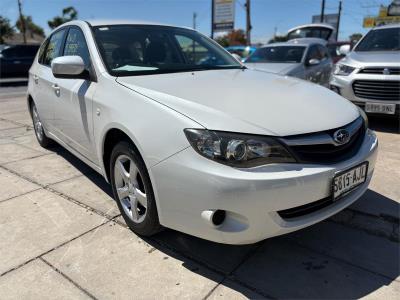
48 92
73 110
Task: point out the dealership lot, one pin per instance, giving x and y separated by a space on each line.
61 236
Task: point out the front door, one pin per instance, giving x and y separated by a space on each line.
73 111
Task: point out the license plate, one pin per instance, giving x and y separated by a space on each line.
380 108
348 180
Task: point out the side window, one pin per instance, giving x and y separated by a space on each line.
313 53
324 52
42 51
54 47
76 45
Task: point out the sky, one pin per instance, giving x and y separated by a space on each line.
266 15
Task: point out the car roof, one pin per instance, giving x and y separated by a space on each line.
387 26
109 22
312 25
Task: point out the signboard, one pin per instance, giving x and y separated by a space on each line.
331 19
223 15
387 15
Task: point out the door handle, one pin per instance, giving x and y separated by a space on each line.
36 79
56 89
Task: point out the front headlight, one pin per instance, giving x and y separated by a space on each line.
343 70
238 150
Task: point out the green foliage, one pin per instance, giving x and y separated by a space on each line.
6 29
30 26
355 37
233 38
68 14
277 39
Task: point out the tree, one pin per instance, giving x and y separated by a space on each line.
30 27
68 14
355 37
277 39
6 29
233 38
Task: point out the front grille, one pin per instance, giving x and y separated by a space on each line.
381 90
306 209
380 70
320 148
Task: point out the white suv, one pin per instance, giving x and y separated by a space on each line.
369 76
191 139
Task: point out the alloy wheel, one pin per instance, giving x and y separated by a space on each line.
130 188
37 124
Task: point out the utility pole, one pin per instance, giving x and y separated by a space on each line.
338 21
212 19
21 18
322 12
248 23
194 20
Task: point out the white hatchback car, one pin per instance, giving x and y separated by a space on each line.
191 139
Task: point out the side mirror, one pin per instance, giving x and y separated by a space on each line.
344 49
71 67
314 62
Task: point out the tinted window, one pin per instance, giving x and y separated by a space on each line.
277 54
314 53
75 44
54 47
315 32
139 50
323 52
381 40
42 51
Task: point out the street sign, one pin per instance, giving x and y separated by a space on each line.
223 15
387 15
331 19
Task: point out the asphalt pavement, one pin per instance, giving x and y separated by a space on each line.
61 236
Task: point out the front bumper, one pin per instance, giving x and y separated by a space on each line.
188 184
343 85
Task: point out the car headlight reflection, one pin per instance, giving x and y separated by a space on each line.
238 150
343 70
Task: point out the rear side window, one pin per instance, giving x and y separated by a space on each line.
76 45
53 49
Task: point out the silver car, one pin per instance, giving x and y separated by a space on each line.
306 58
369 76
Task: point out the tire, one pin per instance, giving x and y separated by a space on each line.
41 137
133 190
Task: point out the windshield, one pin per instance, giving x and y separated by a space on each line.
149 49
277 54
381 40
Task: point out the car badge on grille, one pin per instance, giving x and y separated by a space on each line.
341 136
386 71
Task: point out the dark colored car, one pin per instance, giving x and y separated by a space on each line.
16 60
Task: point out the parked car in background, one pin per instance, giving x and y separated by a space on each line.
16 60
303 58
215 150
334 50
369 75
242 51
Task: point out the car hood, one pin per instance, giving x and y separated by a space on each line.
373 58
277 68
247 101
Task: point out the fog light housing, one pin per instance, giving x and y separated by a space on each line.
335 89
